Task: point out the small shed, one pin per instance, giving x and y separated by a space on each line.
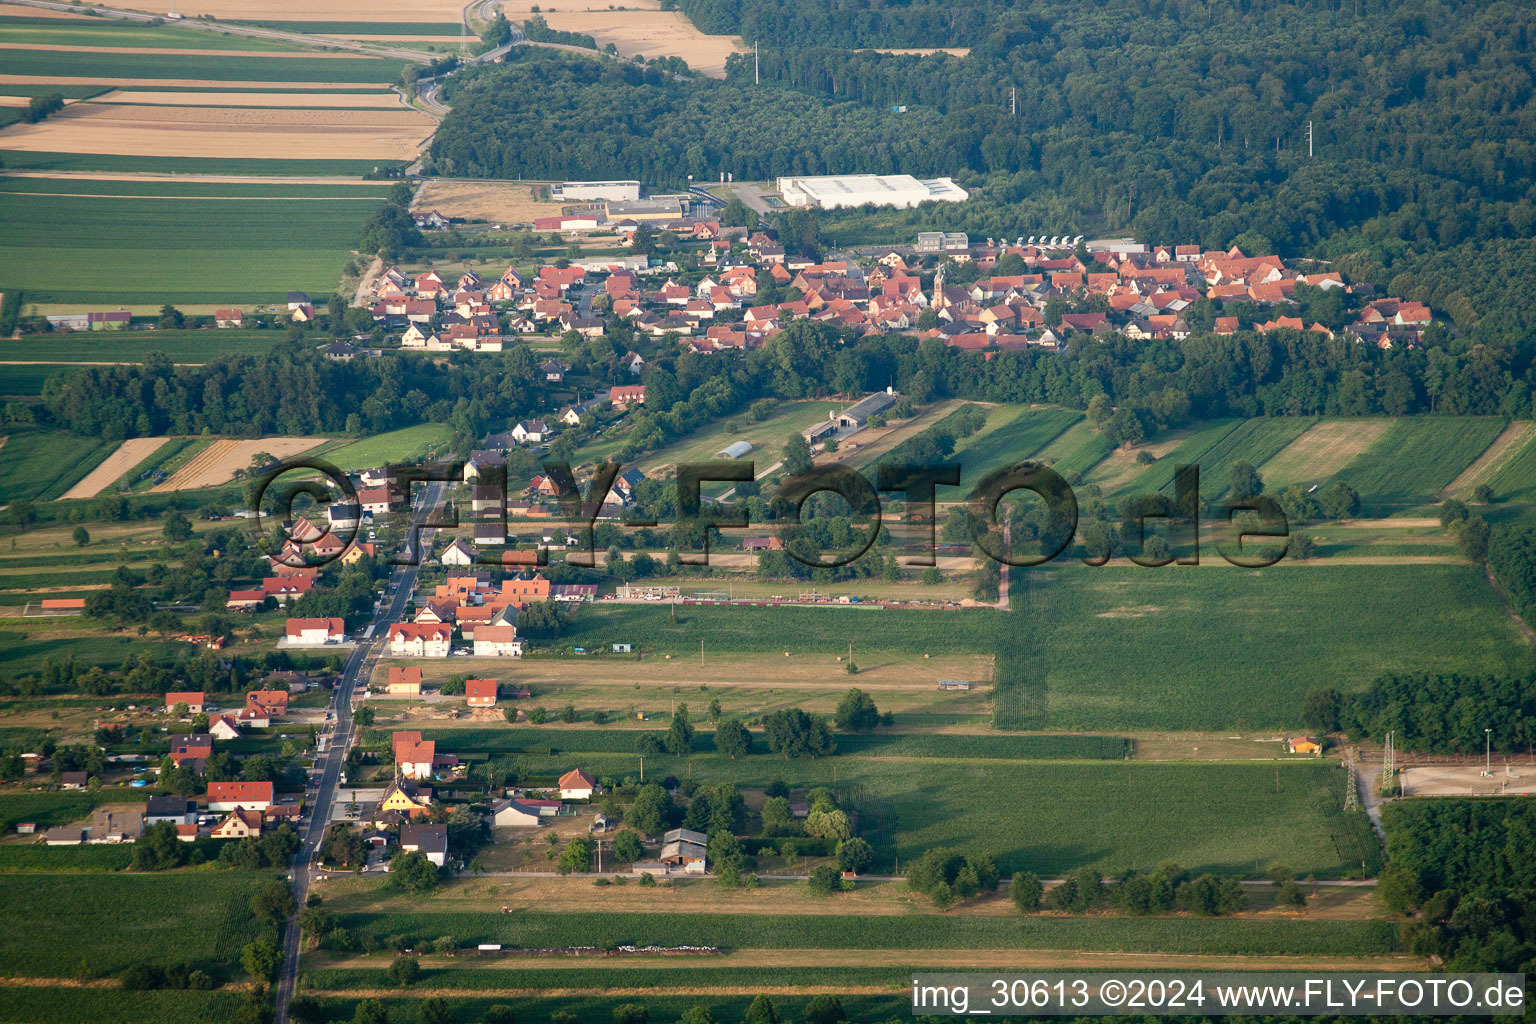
623 648
734 450
954 684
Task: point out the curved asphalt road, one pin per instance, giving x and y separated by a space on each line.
356 669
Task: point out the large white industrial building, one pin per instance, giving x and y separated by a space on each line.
587 191
835 191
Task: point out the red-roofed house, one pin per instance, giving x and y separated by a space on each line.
414 760
420 640
226 796
197 746
238 824
623 395
193 699
316 631
404 682
577 785
480 693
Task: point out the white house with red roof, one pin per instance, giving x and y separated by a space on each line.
316 631
226 796
420 640
480 693
577 785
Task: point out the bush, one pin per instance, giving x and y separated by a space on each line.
1026 891
825 880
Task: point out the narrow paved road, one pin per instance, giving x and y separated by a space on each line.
356 669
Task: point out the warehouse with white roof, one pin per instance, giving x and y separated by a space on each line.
900 190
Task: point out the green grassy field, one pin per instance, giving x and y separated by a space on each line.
174 249
530 928
25 381
825 630
33 1005
1254 442
1051 817
61 859
1516 479
176 190
58 32
101 923
25 652
69 92
41 464
1416 457
46 809
1012 434
46 161
1218 647
76 64
1198 441
767 437
906 745
403 445
1077 450
186 346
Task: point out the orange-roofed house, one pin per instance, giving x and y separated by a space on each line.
274 701
193 699
414 760
404 682
480 693
577 785
316 631
420 640
238 824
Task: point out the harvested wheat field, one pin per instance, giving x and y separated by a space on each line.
129 454
271 100
498 202
14 101
447 12
218 463
643 28
1321 451
953 51
130 130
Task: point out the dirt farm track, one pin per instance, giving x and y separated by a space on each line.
217 463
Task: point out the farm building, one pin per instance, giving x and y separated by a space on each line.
954 684
856 416
589 191
1304 745
514 814
734 450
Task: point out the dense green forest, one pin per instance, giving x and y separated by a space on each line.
1157 383
1463 869
1172 121
1443 714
